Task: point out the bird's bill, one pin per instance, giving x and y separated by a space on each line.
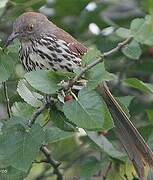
13 36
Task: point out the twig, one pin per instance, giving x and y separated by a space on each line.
107 170
51 161
43 148
36 114
7 100
100 60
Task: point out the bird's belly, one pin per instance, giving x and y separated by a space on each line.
47 57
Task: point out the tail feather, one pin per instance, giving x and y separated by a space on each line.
134 144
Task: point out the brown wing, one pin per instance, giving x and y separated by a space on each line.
73 44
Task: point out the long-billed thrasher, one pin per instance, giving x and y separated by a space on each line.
44 45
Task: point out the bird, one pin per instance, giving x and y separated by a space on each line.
46 46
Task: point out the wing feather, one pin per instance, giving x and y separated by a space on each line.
76 47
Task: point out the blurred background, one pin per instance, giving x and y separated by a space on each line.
94 23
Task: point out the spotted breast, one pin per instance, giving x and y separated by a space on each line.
50 53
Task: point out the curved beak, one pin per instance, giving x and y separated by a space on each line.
13 36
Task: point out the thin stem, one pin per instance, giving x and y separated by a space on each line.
107 170
7 99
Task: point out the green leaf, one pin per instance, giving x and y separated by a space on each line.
21 109
142 30
90 167
108 121
15 120
132 50
123 32
90 56
150 115
124 103
123 170
55 134
23 113
19 147
6 67
125 100
135 83
59 119
150 141
146 131
28 96
46 81
11 173
98 74
87 111
105 145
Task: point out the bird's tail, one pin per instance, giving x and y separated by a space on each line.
138 151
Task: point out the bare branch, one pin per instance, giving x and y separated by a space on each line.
37 113
7 99
51 161
43 148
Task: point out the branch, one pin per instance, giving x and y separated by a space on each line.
46 103
51 161
37 113
43 148
99 60
7 100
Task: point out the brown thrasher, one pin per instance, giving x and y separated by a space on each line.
44 45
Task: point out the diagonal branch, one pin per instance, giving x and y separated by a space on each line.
43 148
37 113
53 163
100 60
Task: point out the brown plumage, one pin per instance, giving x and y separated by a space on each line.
44 45
138 151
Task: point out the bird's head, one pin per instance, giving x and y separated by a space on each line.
27 26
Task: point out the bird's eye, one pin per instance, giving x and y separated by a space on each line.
30 27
